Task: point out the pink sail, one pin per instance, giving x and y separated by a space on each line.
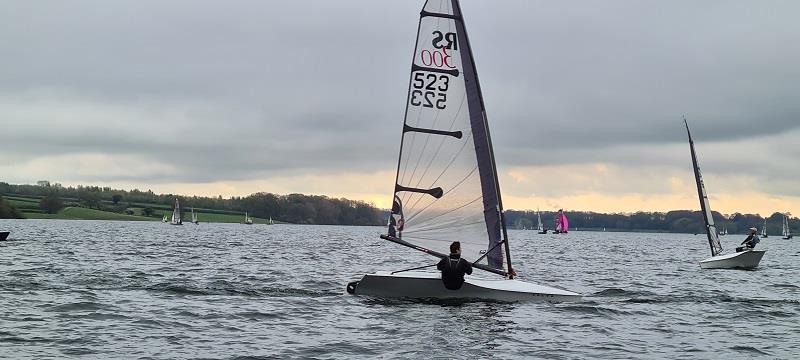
564 223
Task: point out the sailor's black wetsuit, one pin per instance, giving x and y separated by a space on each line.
453 269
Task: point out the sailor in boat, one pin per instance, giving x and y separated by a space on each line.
454 267
751 241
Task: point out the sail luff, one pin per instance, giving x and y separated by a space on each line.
711 230
493 208
395 200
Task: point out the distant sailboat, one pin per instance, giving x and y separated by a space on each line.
270 221
562 223
165 219
787 231
446 188
247 219
176 214
194 218
764 229
540 226
744 259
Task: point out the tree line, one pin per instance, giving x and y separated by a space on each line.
292 208
677 221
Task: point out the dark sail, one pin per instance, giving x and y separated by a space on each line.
446 187
705 208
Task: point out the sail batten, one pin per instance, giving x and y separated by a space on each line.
446 186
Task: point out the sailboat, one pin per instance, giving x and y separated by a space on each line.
176 214
165 219
746 259
562 223
247 219
4 235
787 231
764 229
194 218
541 228
270 221
446 187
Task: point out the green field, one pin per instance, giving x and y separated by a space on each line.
79 213
29 207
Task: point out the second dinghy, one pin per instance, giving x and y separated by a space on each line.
746 259
446 188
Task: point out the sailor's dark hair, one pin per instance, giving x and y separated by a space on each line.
455 246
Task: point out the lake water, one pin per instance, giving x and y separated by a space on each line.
97 289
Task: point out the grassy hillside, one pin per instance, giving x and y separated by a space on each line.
29 207
79 213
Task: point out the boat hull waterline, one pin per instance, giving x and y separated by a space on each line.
427 285
747 259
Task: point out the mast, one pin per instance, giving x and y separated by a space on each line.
492 201
711 231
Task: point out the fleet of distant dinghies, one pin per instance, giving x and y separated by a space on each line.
745 259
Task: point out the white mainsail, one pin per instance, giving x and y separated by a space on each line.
764 229
787 232
705 208
176 213
539 219
446 187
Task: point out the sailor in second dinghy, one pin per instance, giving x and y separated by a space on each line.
751 240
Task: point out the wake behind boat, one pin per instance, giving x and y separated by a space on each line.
446 187
746 259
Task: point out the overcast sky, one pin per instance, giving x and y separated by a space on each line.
584 99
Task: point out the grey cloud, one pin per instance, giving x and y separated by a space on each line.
252 88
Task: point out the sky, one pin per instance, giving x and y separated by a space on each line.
584 99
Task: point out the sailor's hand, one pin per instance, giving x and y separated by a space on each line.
512 273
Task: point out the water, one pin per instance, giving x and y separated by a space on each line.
150 290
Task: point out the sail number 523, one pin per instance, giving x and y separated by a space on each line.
430 90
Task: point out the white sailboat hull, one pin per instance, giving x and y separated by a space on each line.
428 285
747 259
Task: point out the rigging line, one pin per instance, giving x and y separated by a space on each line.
436 154
445 225
452 160
458 222
448 191
441 143
422 151
446 212
412 215
427 221
414 137
465 219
